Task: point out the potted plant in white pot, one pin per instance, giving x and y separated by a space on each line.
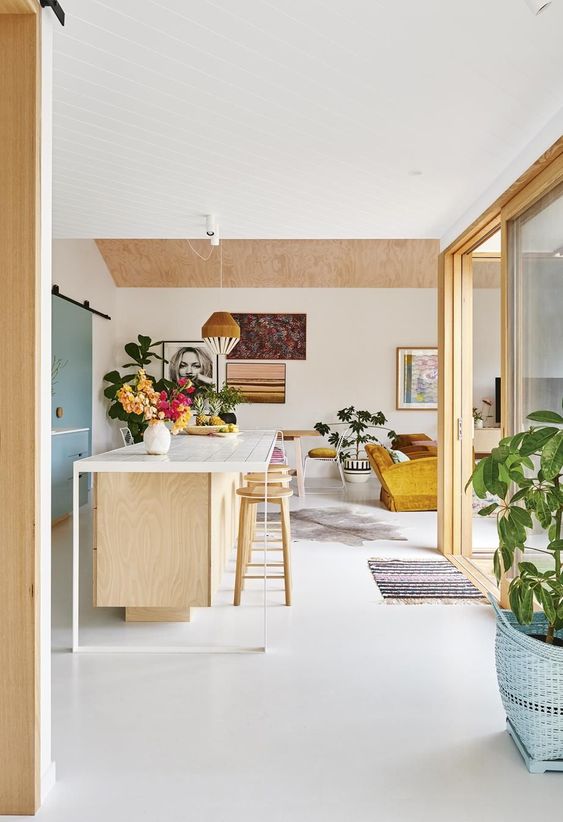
356 429
525 474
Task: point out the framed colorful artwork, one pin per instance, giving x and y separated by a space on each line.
191 359
417 379
271 337
258 381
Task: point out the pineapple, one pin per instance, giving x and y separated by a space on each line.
199 409
214 406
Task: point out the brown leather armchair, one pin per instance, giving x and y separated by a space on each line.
404 443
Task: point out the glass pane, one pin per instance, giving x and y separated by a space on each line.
535 241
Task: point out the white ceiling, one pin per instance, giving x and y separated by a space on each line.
293 118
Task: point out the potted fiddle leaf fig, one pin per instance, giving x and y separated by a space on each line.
142 355
357 428
525 474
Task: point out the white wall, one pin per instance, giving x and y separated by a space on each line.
81 273
486 345
352 335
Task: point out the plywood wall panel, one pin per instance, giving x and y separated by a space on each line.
486 273
273 263
19 504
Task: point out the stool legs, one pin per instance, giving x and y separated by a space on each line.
242 547
246 534
286 545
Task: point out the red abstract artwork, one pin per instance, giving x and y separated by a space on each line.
271 337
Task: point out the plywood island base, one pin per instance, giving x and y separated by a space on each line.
161 541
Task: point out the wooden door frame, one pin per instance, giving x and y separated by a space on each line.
20 236
455 282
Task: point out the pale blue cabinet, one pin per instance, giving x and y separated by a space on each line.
66 448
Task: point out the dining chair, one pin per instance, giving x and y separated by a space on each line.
126 436
327 454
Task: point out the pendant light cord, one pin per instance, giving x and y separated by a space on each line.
201 257
205 259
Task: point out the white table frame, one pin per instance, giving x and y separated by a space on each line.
92 465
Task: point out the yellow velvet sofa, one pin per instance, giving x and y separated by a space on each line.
405 486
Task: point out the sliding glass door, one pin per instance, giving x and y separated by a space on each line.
535 309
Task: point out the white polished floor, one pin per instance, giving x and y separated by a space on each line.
359 711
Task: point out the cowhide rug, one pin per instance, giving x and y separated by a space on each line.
349 526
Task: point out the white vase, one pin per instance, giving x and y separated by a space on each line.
157 438
478 423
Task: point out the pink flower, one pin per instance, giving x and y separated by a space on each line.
182 381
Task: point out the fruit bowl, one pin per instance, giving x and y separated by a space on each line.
202 430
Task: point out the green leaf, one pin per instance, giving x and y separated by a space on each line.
527 606
548 605
556 545
552 456
546 416
134 351
497 566
521 516
536 439
478 481
485 512
501 453
112 376
527 568
145 341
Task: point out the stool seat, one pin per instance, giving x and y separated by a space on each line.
273 479
257 493
278 468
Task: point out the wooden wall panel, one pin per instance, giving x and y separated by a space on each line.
19 6
19 272
152 540
273 263
486 272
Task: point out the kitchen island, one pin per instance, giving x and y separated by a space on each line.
164 526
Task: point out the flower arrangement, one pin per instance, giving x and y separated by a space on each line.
172 404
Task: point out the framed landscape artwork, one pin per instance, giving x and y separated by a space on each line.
417 379
258 381
191 359
271 337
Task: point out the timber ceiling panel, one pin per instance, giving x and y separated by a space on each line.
293 119
273 263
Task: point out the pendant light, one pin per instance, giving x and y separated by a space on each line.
221 332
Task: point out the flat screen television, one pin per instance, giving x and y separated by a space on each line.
497 400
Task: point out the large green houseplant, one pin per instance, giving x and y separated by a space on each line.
142 355
524 473
359 429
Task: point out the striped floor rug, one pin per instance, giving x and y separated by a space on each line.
419 582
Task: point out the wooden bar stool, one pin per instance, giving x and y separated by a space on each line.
275 480
278 468
250 497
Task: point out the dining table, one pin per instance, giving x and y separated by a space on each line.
295 436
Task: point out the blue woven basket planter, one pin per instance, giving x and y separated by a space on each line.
530 678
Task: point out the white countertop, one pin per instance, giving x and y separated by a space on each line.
250 451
